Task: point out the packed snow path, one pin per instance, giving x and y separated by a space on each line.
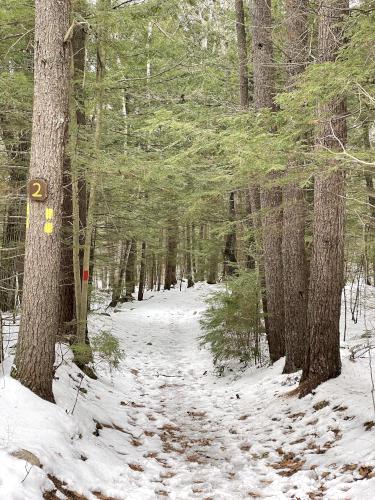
187 408
164 425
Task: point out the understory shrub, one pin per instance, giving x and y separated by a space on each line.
104 346
232 323
108 349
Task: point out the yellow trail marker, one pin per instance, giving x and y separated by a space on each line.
27 215
48 226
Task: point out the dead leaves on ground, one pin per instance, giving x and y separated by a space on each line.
136 467
369 425
289 465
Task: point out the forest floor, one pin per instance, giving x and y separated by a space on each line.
164 425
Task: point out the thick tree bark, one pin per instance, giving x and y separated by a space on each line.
242 54
270 196
293 247
270 200
327 264
295 278
40 306
262 48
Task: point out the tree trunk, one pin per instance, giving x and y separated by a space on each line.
327 264
130 270
124 248
151 283
295 278
242 54
40 305
230 260
262 48
189 268
68 320
89 241
293 249
254 196
200 257
170 278
142 272
212 258
370 226
270 197
250 252
270 200
67 295
77 189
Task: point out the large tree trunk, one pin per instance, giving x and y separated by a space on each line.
40 305
270 196
294 259
270 200
242 54
295 278
327 264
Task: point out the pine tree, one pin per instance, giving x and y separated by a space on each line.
293 246
40 304
270 192
327 265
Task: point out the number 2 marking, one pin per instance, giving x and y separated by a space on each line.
37 193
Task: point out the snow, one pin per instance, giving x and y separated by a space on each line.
164 425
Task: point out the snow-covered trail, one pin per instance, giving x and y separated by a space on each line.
165 426
188 409
228 438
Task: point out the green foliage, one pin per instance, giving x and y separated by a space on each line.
104 345
107 347
82 354
233 321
